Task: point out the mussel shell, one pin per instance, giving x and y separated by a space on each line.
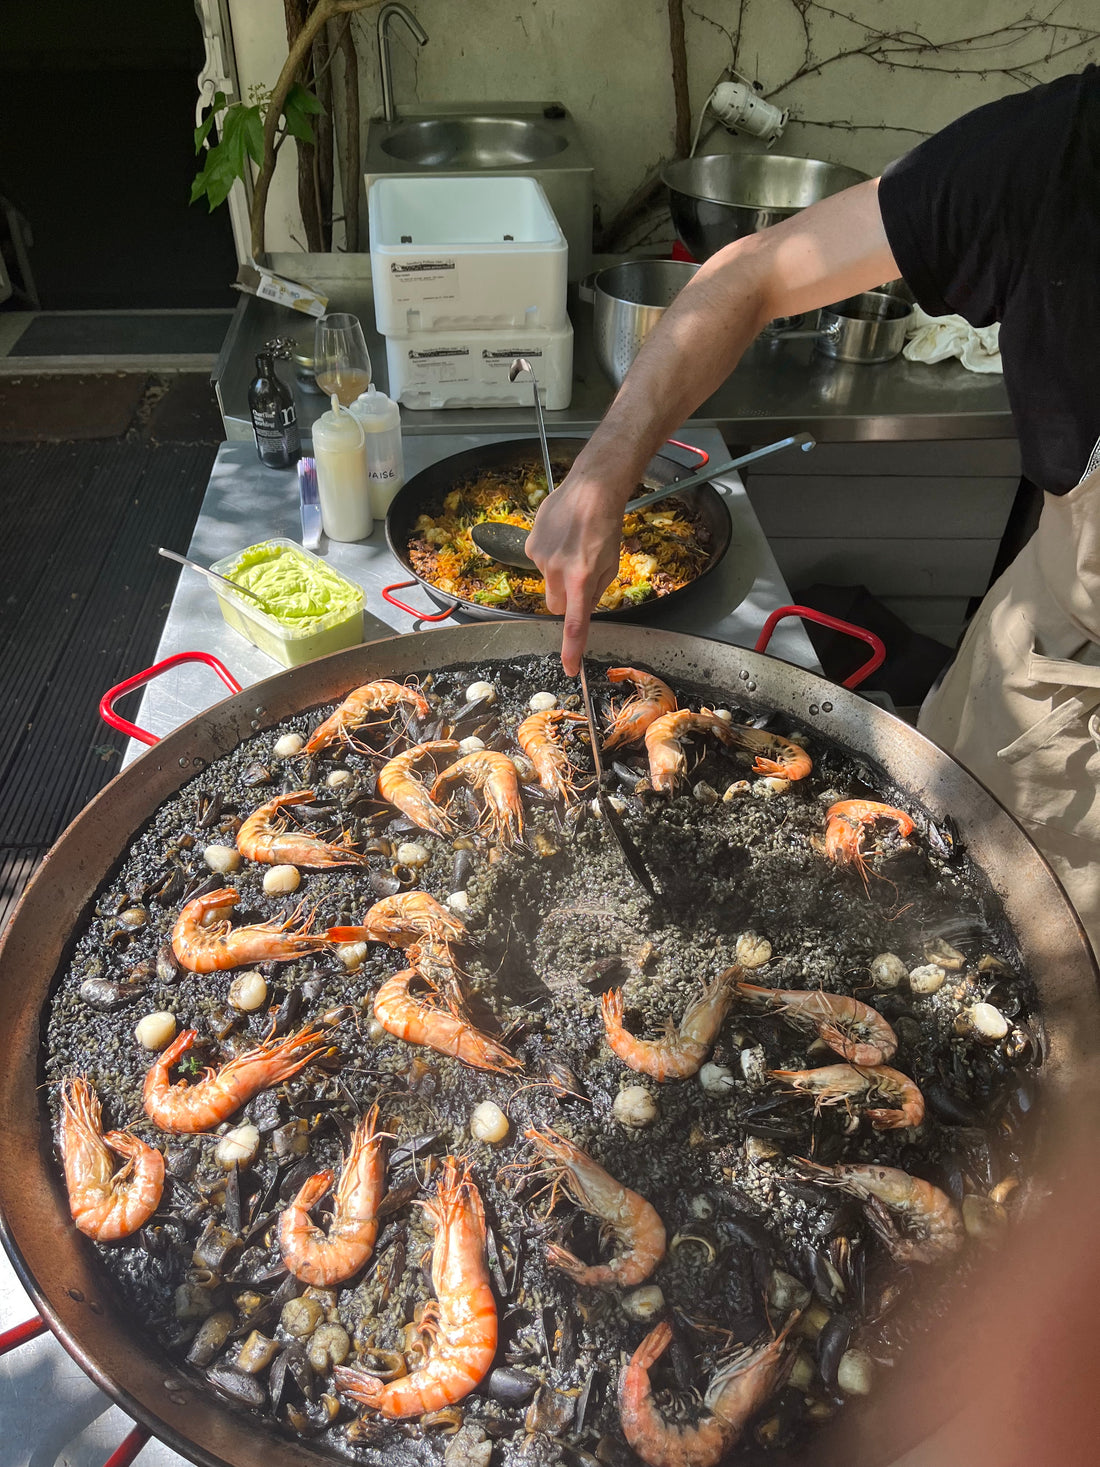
237 1386
510 1386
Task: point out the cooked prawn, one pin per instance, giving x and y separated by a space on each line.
538 736
664 743
680 1050
399 784
265 837
629 722
895 1100
381 696
183 1108
633 1220
495 775
740 1387
444 1029
107 1203
461 1330
846 827
775 755
889 1196
324 1260
204 941
404 920
853 1029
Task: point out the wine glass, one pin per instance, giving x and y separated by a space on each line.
341 362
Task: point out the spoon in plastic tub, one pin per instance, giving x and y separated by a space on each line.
212 576
505 542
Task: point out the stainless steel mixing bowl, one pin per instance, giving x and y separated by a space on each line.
721 197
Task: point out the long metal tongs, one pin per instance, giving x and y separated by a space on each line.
631 854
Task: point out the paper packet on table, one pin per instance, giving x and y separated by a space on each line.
253 279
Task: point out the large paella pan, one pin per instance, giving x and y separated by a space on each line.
553 928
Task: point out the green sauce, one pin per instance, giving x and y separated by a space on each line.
295 591
308 610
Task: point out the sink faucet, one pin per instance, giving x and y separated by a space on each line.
385 15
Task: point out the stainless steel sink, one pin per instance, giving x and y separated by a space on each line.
473 143
536 139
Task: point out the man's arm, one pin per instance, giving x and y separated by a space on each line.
820 255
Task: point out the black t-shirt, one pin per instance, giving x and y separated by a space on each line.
997 218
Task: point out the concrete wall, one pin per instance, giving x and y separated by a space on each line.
608 62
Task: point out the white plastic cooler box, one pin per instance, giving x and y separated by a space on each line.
461 254
469 369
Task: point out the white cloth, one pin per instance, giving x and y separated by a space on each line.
935 338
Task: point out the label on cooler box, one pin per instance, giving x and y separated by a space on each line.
424 282
500 359
440 363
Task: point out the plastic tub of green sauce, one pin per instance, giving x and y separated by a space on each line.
312 609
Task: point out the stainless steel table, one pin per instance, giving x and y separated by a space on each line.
779 387
247 502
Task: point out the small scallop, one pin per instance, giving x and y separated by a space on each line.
289 745
770 786
239 1146
752 951
155 1031
855 1375
459 901
476 691
984 1021
300 1317
717 1079
222 859
330 1345
928 978
412 853
352 954
279 880
337 778
471 745
488 1123
635 1106
644 1303
887 970
724 714
542 702
248 992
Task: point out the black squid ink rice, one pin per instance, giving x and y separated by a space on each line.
751 1180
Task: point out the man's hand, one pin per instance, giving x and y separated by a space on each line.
575 543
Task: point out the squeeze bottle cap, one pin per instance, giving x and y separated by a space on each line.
375 410
338 428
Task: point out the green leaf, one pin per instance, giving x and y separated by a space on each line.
202 132
300 104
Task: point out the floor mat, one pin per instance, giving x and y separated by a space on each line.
127 333
85 598
39 409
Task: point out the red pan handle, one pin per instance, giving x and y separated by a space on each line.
106 703
420 615
878 652
19 1334
701 454
126 1453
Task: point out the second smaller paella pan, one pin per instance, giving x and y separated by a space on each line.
666 549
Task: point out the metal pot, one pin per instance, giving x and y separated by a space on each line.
429 486
627 302
62 1271
865 328
721 197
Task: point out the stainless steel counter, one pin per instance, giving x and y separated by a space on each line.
779 387
247 502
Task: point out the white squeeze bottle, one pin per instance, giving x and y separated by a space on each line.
339 447
381 420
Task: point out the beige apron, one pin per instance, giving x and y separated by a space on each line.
1020 706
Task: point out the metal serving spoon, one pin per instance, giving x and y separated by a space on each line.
505 542
212 576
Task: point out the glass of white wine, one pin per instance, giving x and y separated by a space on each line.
341 361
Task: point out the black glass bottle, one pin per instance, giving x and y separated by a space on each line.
274 419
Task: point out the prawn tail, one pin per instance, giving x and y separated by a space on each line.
653 1346
357 1385
348 934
